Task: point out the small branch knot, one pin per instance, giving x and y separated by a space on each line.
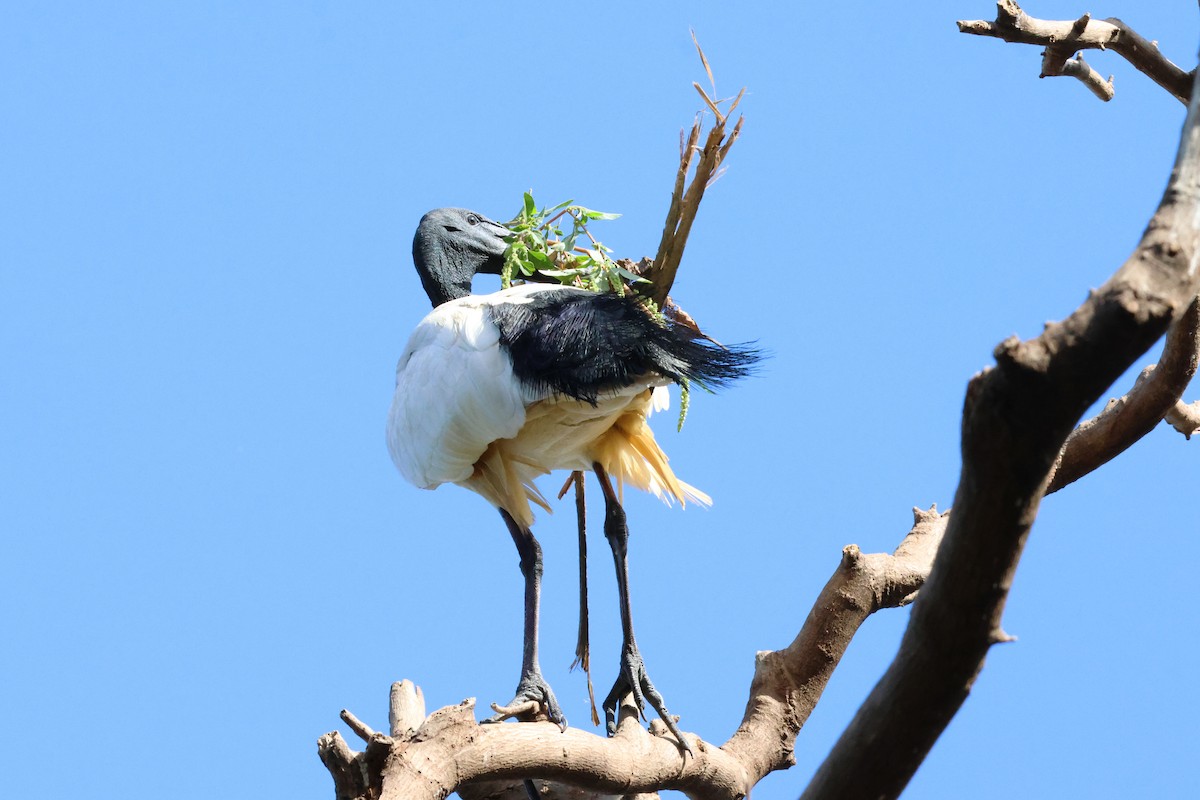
1028 356
998 636
920 515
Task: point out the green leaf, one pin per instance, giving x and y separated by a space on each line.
631 277
615 283
590 214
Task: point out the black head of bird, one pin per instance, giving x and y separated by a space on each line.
451 246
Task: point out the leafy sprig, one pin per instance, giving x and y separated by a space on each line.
555 242
542 244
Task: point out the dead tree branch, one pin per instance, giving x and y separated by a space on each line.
685 196
1185 418
1065 38
1127 419
449 751
1016 418
788 683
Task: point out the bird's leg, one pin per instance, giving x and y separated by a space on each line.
632 678
532 686
583 648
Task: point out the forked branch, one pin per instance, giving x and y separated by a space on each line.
686 195
1065 38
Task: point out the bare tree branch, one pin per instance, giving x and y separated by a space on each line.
1016 418
1129 418
360 728
451 752
1185 418
1063 38
788 683
1078 68
406 708
686 197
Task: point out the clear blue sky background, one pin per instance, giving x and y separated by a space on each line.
205 281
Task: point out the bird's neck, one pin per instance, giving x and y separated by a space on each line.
445 272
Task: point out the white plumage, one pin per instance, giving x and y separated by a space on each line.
457 396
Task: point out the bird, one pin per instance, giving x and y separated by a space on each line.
496 390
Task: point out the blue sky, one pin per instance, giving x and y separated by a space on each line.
205 218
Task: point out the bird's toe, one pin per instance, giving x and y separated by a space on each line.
534 701
634 680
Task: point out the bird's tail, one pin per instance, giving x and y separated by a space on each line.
683 353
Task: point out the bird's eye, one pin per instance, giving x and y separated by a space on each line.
472 219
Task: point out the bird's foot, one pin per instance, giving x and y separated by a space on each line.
534 701
634 680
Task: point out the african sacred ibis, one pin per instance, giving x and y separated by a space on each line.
494 390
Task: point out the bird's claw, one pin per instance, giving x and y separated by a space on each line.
634 680
534 700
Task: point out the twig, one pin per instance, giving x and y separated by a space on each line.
704 60
1185 418
1063 38
686 197
360 728
1078 68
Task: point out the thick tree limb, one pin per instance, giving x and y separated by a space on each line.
1016 417
547 790
449 751
1064 38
